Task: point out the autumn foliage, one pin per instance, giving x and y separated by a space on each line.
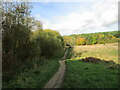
92 38
80 41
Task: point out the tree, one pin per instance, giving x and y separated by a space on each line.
49 42
80 41
16 29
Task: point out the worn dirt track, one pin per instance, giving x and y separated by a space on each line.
56 80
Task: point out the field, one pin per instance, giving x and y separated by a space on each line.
88 75
108 52
33 55
80 74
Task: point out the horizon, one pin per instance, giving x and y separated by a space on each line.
77 17
90 33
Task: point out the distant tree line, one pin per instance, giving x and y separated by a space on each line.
20 44
93 38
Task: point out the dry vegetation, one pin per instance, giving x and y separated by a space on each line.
108 52
92 66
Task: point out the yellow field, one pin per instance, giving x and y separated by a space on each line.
108 52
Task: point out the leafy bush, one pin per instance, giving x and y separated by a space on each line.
49 41
21 44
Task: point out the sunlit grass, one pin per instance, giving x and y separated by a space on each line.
89 75
108 52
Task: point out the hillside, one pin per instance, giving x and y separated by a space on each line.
92 38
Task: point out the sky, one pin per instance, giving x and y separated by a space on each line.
77 17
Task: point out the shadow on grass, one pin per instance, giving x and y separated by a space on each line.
69 53
112 65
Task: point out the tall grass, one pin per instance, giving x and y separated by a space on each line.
35 77
108 52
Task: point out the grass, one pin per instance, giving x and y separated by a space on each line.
81 74
108 52
76 76
36 77
95 76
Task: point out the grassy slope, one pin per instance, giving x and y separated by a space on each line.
105 52
96 76
36 77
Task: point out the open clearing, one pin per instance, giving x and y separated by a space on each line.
80 74
108 52
89 75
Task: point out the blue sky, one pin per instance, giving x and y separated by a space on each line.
76 17
49 10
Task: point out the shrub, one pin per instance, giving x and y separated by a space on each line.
80 41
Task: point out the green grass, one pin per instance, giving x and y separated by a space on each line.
36 77
96 76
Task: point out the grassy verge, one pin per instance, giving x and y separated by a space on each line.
35 77
89 75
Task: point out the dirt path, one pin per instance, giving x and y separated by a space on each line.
56 80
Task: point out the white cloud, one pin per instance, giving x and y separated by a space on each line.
99 15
